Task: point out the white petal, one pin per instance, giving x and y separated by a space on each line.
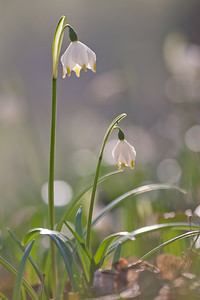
77 70
116 152
124 154
66 60
76 57
91 60
79 54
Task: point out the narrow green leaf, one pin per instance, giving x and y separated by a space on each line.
80 196
83 252
33 233
42 287
12 270
182 236
174 248
3 297
80 240
31 261
69 261
23 293
60 241
134 192
116 255
18 281
148 229
103 247
62 284
78 223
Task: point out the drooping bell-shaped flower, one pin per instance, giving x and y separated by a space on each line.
78 56
124 154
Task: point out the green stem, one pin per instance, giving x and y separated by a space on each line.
52 157
78 198
51 181
108 132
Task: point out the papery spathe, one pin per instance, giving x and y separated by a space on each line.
78 56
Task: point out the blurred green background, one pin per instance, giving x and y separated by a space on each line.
148 65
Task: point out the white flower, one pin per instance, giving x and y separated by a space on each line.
124 154
76 57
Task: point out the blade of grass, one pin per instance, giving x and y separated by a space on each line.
135 192
69 261
78 223
33 233
23 293
182 236
148 229
103 247
78 198
80 240
41 277
40 292
62 284
3 297
18 281
60 241
116 255
83 251
12 270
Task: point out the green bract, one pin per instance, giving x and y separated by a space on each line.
57 43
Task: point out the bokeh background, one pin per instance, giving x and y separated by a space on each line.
148 65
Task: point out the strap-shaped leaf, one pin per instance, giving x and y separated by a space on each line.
31 261
134 192
12 270
80 240
83 251
18 281
78 223
33 233
60 240
69 261
148 229
116 255
180 237
103 247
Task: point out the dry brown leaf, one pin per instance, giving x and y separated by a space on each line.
170 266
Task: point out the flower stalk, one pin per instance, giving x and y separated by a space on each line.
76 57
52 157
51 183
108 132
57 42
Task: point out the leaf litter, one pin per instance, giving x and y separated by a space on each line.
171 278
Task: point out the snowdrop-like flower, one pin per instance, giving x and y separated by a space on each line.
124 154
78 56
